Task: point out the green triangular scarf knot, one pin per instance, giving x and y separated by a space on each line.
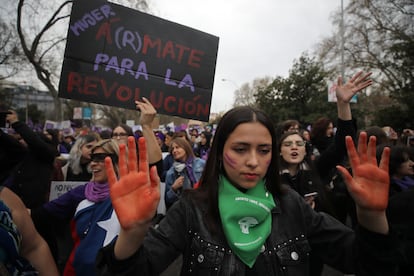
246 218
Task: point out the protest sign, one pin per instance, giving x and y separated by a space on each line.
58 188
115 55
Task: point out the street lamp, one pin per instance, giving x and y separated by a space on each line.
26 92
231 81
235 85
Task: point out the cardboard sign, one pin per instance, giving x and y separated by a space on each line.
115 55
58 188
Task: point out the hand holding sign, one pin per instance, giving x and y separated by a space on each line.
115 55
135 195
148 112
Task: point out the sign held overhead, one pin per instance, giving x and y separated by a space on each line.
115 55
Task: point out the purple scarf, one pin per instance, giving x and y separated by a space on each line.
404 183
96 192
189 167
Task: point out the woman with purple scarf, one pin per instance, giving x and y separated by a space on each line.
400 210
94 224
185 171
401 168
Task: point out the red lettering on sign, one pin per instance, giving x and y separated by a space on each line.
169 104
108 92
74 82
123 93
181 51
195 59
119 94
105 30
91 83
168 50
149 43
173 51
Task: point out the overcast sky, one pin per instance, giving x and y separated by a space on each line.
257 38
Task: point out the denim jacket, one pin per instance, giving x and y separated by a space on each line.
296 230
172 196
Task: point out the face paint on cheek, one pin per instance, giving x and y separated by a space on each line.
229 161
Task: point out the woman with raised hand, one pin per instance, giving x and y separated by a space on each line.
241 220
308 175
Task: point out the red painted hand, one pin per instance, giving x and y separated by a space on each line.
369 185
136 194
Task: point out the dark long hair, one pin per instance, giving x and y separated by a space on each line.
398 155
319 127
208 188
125 127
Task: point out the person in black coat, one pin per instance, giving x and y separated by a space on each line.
400 210
211 225
30 160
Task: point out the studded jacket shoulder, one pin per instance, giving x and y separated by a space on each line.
296 230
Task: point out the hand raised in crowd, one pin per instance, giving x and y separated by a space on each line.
135 195
148 111
345 92
370 183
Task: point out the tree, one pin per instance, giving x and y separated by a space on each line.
301 96
9 51
245 95
41 28
39 50
379 36
6 98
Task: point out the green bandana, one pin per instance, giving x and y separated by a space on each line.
246 218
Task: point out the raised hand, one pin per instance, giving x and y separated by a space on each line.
345 92
369 184
148 111
135 195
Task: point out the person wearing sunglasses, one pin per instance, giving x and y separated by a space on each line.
88 208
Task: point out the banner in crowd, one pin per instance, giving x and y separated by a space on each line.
58 188
57 125
115 55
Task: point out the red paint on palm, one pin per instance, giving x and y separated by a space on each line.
369 185
135 195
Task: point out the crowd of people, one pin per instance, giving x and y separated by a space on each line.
249 197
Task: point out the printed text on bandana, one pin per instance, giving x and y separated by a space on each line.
252 201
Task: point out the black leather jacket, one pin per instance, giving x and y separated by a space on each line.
296 230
